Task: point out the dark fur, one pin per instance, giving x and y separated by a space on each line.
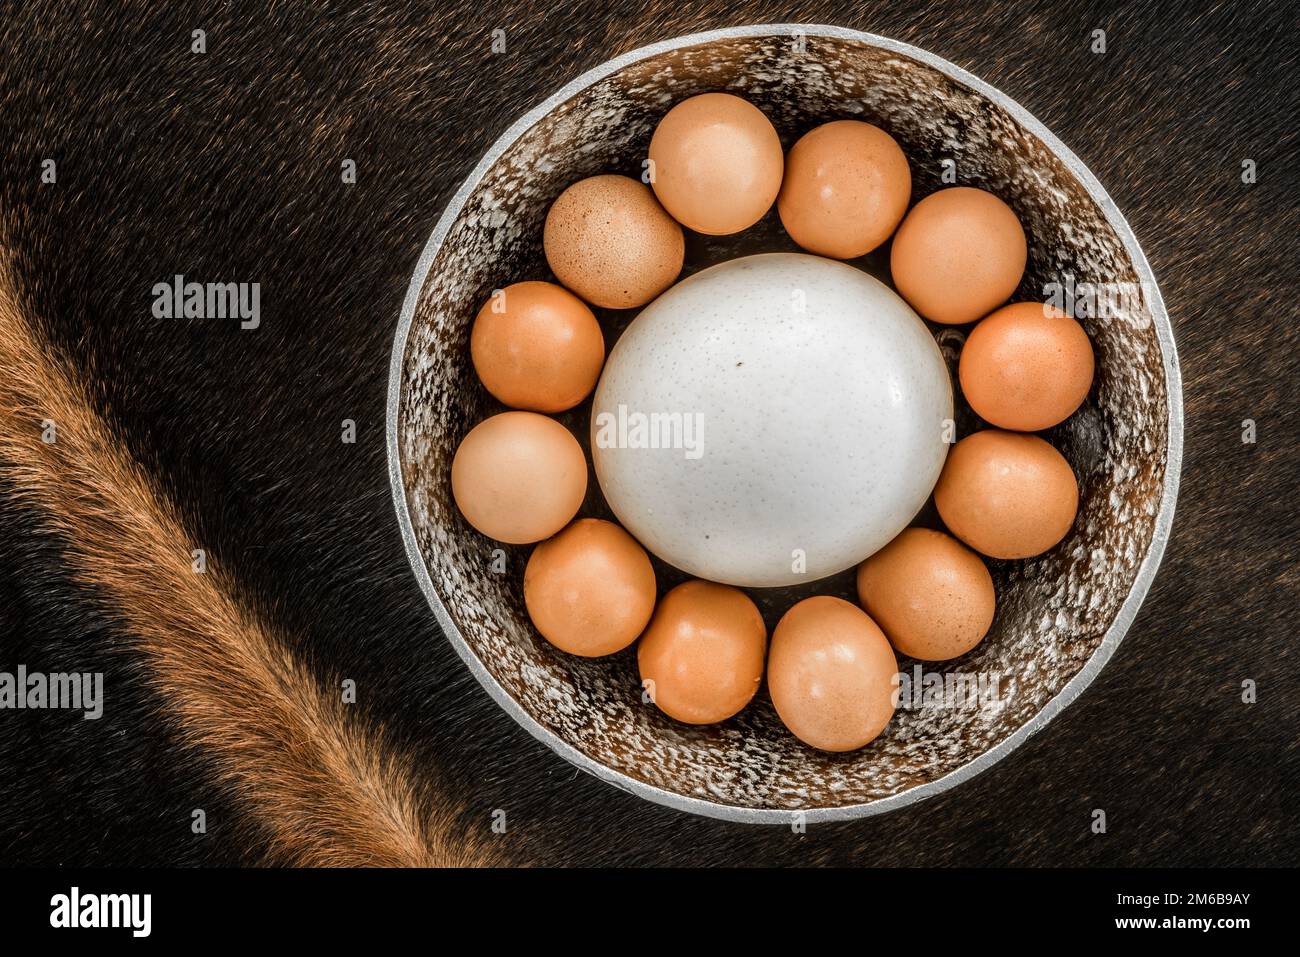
226 167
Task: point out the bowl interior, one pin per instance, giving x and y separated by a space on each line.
1053 612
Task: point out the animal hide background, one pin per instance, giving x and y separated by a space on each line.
220 689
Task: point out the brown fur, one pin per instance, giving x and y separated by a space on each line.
325 788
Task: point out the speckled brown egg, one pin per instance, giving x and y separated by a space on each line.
959 254
519 477
701 659
590 590
717 163
608 239
930 594
1007 494
537 346
1026 367
831 673
846 188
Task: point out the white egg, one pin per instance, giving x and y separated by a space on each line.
771 420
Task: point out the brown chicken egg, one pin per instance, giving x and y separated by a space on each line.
590 590
846 188
831 673
519 477
608 239
701 659
931 595
537 346
1026 367
959 254
1007 494
716 163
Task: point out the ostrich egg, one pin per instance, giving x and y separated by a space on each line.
771 420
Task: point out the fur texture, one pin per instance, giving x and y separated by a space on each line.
324 789
225 166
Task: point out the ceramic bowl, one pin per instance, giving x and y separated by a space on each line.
1060 616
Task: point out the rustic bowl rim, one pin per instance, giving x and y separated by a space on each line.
1114 634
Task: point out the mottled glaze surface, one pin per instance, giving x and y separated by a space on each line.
1060 615
802 411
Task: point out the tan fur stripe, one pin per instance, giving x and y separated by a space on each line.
321 785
